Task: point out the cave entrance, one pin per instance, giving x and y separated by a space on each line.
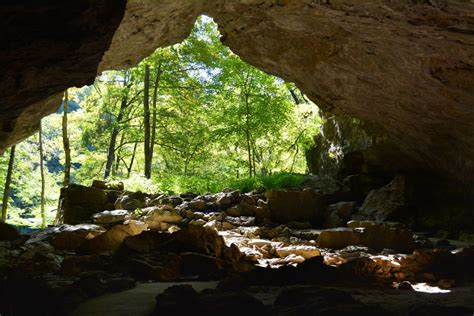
198 155
191 117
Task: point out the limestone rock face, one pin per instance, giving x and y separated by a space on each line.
406 65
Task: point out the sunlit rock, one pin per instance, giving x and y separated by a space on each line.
304 251
109 217
72 237
219 225
160 217
112 239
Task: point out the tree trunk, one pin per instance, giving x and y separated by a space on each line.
117 160
146 110
253 159
247 135
111 152
153 119
129 168
8 180
67 149
113 136
43 184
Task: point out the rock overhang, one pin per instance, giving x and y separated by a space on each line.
407 66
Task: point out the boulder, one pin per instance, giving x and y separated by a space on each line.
209 302
71 237
262 214
166 268
200 239
99 184
227 198
159 215
299 225
197 205
197 264
234 211
301 250
242 209
295 206
218 225
338 214
247 206
389 203
338 238
113 238
79 202
173 200
110 217
223 201
8 232
374 235
321 301
241 220
130 201
188 196
389 235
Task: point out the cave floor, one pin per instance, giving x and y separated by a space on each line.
141 299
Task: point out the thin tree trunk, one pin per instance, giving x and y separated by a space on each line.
146 110
153 120
294 96
8 180
129 168
253 159
43 184
113 136
117 160
247 135
67 149
111 153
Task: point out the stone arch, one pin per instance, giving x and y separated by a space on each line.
405 65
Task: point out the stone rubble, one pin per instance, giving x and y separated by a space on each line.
203 237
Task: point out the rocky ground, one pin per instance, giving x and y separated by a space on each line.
280 252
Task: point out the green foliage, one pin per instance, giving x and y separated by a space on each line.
219 123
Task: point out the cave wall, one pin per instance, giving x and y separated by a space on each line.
407 65
47 47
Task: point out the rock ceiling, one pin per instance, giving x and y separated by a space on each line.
407 65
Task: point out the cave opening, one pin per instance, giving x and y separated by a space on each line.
197 176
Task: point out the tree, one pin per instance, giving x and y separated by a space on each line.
153 119
8 179
43 181
124 92
67 149
146 122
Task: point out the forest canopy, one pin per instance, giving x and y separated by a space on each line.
190 117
